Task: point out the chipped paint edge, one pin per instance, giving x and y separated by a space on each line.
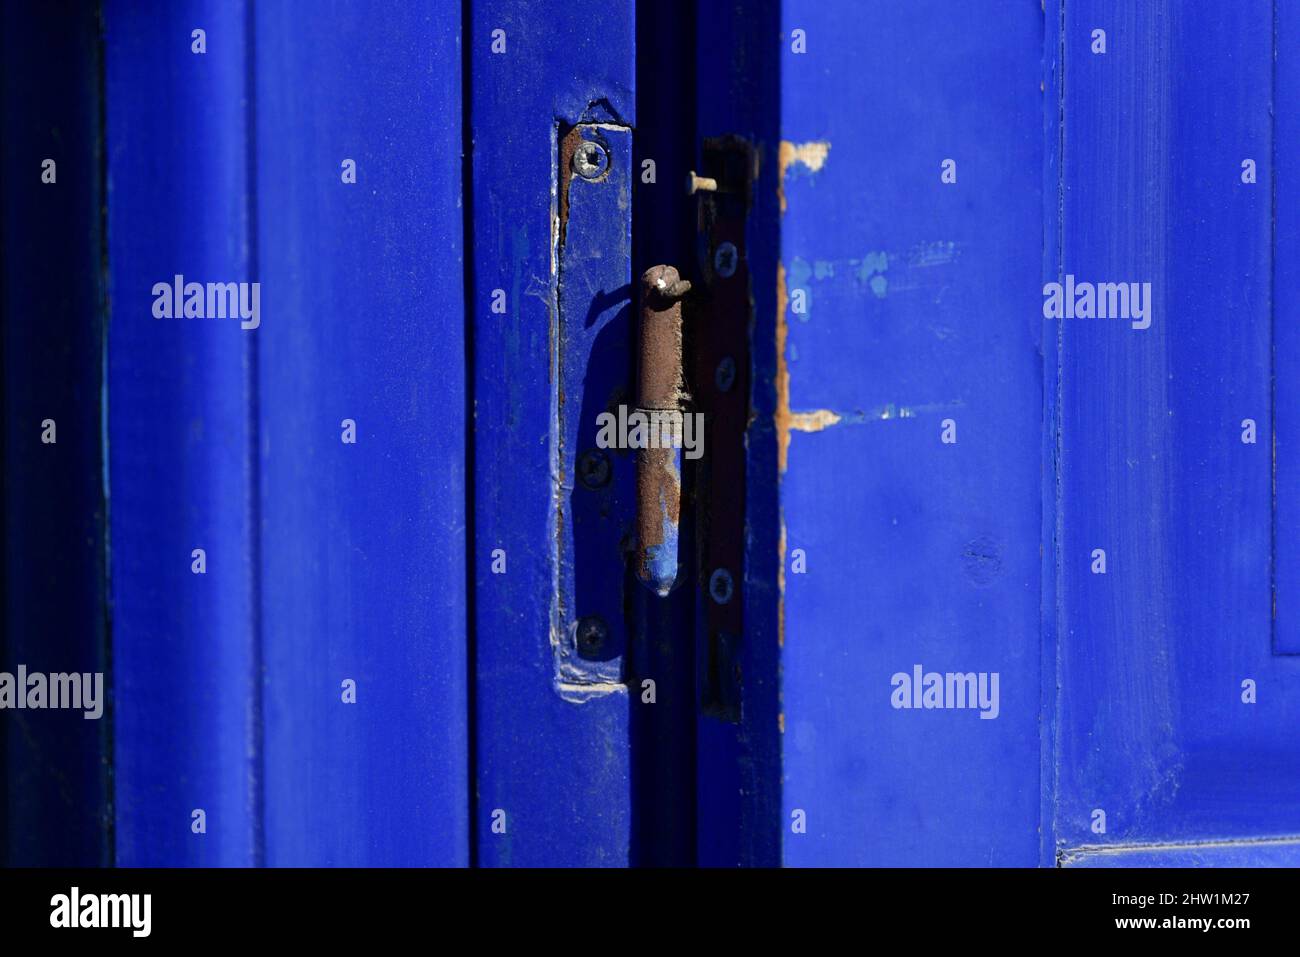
812 155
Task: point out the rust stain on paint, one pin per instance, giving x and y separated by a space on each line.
567 147
786 420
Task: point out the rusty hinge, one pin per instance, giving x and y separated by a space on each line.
703 340
720 330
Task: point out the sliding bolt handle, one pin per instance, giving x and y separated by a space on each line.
661 399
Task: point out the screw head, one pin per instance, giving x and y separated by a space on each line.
724 376
725 260
590 161
591 635
721 586
594 469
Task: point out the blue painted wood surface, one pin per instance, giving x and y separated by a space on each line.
363 545
327 561
891 309
905 306
552 772
1152 725
1286 335
180 434
896 285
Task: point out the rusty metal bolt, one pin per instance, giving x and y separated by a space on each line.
721 586
725 260
659 334
660 390
590 161
724 376
664 283
594 469
591 635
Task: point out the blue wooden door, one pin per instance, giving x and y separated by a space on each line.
989 558
908 438
551 729
307 691
1177 675
1090 505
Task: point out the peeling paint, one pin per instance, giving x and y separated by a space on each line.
1083 851
659 494
786 420
782 424
812 156
813 421
933 254
800 273
882 271
895 412
780 595
872 272
782 382
885 413
582 693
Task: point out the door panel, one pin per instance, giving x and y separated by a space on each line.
329 558
909 422
180 443
1155 727
362 542
1286 336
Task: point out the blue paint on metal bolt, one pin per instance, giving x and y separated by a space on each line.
661 394
661 558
